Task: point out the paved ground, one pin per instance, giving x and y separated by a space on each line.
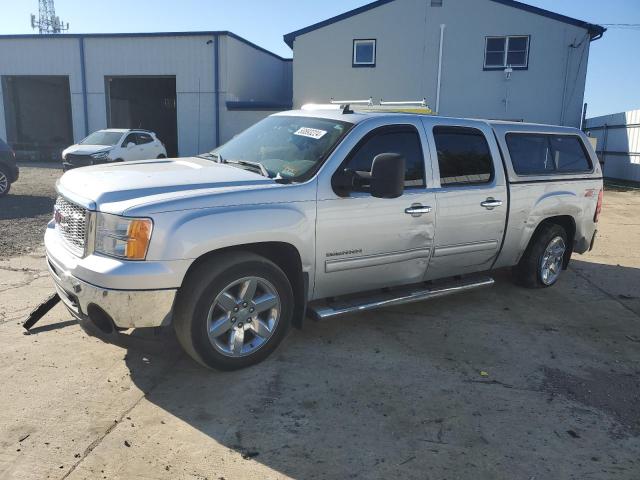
392 394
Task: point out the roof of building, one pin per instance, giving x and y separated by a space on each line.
146 34
594 30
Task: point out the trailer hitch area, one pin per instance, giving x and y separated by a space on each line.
40 311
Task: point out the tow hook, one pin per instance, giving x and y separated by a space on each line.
40 311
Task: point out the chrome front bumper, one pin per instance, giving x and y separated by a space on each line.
126 308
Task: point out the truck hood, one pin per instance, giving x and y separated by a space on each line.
117 187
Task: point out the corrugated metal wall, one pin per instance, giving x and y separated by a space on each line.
618 144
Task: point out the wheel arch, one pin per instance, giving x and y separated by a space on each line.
284 255
568 223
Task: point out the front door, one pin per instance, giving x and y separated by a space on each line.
471 203
364 243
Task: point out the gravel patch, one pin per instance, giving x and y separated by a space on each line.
25 211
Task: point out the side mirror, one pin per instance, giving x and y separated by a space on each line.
131 145
387 175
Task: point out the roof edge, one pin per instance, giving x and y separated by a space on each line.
146 34
595 31
289 38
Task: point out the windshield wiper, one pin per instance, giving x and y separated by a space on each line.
256 166
211 155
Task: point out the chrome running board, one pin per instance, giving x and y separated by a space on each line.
329 308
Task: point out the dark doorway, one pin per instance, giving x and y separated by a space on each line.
38 115
145 102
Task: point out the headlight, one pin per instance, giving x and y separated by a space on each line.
100 154
123 237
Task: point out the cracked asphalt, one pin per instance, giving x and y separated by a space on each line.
502 383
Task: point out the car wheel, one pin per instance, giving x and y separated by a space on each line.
5 185
543 260
233 310
162 156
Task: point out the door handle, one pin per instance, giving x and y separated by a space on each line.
417 210
491 203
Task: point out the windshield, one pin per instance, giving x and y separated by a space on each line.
102 138
286 147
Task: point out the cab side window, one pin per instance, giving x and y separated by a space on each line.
403 140
464 157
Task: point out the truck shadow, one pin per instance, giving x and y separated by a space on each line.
15 206
391 394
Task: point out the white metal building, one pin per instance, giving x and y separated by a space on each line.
497 59
195 89
618 144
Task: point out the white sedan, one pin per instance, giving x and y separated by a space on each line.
113 145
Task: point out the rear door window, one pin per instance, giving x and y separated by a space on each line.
144 138
539 154
464 157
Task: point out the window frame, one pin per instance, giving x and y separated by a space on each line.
382 130
355 63
506 53
555 173
492 176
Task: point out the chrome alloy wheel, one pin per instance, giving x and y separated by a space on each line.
552 258
243 317
4 182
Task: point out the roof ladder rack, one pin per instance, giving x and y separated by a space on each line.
420 103
345 105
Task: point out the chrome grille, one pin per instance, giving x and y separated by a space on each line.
71 223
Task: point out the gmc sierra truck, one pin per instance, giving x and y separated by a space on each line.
317 213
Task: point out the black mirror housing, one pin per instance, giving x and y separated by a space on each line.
387 175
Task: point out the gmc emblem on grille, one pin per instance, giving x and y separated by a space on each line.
58 216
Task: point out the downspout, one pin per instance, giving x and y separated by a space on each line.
83 78
564 87
442 27
216 53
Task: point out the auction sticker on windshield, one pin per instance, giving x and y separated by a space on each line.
311 133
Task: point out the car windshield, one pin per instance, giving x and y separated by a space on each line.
283 147
102 138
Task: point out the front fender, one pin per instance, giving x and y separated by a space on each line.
193 233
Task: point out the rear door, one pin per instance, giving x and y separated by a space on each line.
146 147
471 197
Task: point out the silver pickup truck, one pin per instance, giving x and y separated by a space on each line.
318 212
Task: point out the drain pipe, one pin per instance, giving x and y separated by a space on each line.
442 27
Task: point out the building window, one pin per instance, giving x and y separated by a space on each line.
503 52
364 53
436 3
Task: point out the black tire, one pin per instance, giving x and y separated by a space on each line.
528 272
204 283
5 173
162 156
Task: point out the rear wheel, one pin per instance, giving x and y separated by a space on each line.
162 156
5 185
233 310
543 260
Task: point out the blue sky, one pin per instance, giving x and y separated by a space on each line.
612 80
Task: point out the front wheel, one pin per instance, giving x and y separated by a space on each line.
233 310
543 260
